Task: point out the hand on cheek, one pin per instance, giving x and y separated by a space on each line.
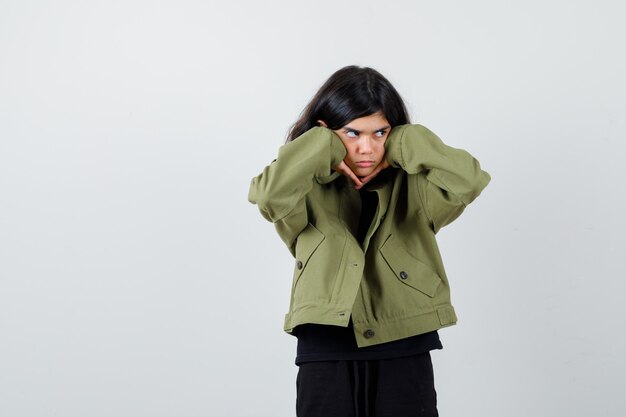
359 182
382 165
345 170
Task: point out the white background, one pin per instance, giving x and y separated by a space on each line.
136 279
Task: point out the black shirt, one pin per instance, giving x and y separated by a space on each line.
319 342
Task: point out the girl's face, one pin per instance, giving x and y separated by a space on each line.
364 139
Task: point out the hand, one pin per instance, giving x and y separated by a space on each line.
345 170
364 180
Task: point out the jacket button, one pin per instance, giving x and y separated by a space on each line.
403 275
299 264
369 333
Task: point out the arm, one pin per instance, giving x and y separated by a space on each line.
279 191
452 177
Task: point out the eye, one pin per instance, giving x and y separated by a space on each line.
381 133
352 133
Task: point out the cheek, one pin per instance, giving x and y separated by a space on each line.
350 149
380 147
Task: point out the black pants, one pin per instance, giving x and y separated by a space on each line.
400 387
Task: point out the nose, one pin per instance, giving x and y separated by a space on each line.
365 145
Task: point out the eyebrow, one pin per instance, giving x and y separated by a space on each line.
358 131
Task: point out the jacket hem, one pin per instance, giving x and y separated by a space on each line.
383 331
331 314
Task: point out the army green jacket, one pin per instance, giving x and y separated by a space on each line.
394 285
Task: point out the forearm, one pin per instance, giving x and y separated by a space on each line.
283 184
414 148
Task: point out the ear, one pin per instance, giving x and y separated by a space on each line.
322 123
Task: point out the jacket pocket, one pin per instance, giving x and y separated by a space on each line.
408 269
308 241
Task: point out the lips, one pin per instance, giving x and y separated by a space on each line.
364 164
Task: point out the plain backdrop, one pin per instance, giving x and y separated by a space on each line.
136 279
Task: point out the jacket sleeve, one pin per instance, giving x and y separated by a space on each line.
280 190
452 178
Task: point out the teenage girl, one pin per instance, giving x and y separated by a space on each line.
357 194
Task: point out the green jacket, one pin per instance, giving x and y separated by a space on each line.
394 286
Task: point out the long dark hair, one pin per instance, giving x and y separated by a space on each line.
351 92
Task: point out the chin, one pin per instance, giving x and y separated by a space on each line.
363 172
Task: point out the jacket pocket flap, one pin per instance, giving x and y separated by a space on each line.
308 240
409 270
